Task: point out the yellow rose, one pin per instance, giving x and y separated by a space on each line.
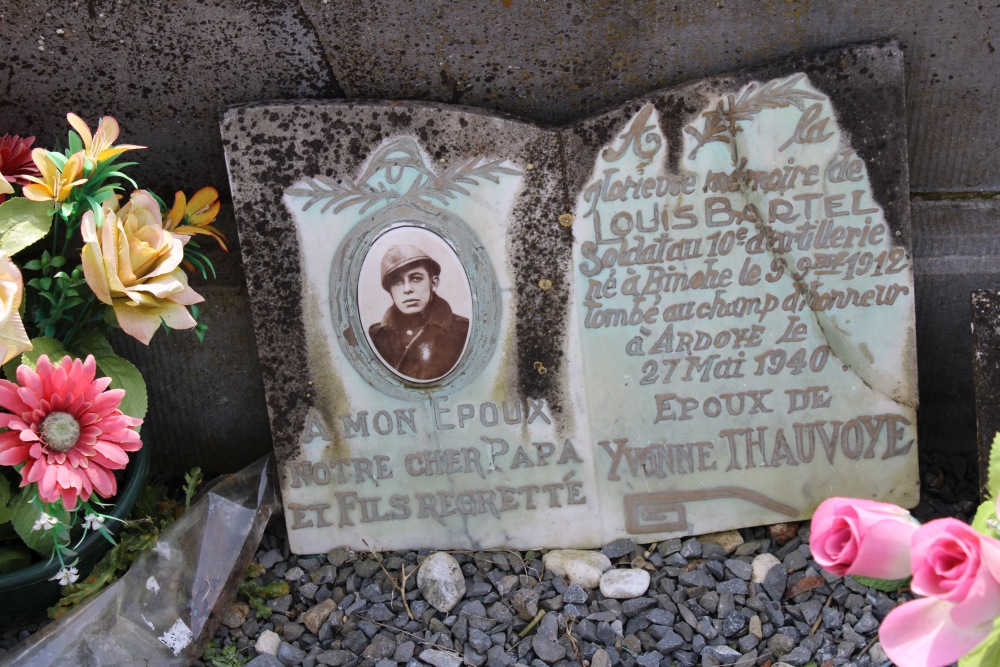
133 264
13 339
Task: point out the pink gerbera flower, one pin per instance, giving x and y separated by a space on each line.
66 429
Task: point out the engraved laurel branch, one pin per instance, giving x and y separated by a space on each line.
722 122
429 185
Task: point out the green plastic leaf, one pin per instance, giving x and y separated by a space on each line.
59 159
25 515
6 514
126 376
993 474
75 142
13 558
104 193
885 585
42 345
987 511
91 342
23 222
10 368
121 175
95 207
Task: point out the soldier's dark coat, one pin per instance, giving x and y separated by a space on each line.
433 346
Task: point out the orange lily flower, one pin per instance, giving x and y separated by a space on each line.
195 216
55 184
99 146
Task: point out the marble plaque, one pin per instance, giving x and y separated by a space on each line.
985 305
691 313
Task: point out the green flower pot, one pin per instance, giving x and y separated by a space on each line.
29 592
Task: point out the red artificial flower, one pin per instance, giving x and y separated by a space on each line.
15 160
66 429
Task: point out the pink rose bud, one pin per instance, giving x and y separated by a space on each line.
959 570
862 537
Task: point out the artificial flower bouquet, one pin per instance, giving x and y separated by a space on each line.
954 567
79 258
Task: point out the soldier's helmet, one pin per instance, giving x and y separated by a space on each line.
399 257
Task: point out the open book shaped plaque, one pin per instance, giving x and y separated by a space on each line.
690 313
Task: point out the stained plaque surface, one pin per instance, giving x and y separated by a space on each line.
693 312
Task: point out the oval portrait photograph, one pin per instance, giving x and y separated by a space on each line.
414 300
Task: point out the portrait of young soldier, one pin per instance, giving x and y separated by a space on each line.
419 335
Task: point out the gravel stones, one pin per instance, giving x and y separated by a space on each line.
583 568
270 559
441 658
671 641
337 658
574 594
544 641
706 603
382 646
366 567
316 616
290 655
783 533
624 584
441 581
728 540
292 631
618 548
775 582
235 614
739 568
690 548
600 659
525 603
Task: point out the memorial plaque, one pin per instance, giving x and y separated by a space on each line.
985 305
693 312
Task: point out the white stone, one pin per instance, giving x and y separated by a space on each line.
624 584
441 581
583 568
268 642
762 564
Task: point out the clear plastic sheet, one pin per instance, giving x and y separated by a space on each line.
166 608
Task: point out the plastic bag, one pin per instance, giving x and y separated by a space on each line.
165 609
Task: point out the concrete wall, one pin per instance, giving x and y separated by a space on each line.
166 70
